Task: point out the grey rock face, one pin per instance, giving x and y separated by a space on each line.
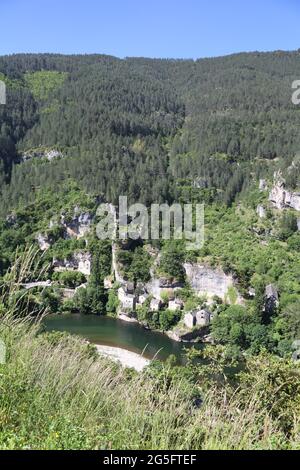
165 283
263 186
43 242
115 267
79 226
206 280
281 197
11 220
271 299
158 286
261 212
41 153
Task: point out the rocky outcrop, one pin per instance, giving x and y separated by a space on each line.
43 242
208 281
115 267
261 212
181 335
271 299
263 186
281 197
79 226
48 154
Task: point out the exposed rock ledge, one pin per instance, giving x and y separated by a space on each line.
209 281
281 197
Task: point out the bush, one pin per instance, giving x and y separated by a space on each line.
70 279
168 318
172 260
90 301
112 302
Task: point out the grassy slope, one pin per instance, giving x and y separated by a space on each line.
56 393
54 396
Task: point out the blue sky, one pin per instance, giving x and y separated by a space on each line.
149 28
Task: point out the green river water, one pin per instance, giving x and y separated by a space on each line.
112 332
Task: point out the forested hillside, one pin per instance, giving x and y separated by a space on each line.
147 128
77 130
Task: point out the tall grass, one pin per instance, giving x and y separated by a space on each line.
56 394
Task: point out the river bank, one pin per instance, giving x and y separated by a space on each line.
124 357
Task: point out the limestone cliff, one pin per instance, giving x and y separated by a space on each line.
206 280
281 197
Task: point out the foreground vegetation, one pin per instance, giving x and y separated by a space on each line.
56 393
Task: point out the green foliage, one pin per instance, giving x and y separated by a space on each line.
236 327
288 225
51 300
168 318
160 133
90 300
157 131
46 415
135 264
101 262
43 83
232 295
172 259
70 279
112 302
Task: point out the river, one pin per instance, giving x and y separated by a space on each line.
113 332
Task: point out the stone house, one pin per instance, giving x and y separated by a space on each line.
200 318
127 301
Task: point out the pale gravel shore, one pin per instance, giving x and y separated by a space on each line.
124 357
